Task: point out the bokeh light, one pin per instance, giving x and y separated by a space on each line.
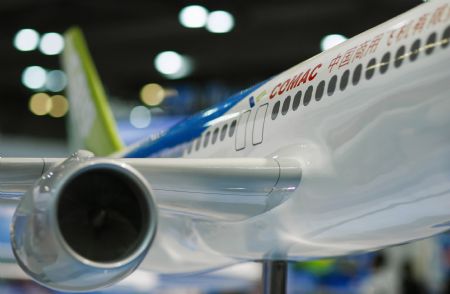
220 22
59 106
152 94
173 65
140 117
168 62
193 16
330 41
34 77
40 104
51 44
56 81
26 40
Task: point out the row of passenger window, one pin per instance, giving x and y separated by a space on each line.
371 67
214 137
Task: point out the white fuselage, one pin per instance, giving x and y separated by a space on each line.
374 152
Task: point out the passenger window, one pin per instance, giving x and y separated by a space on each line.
332 86
189 149
385 62
370 70
275 110
206 141
223 132
197 144
214 136
357 74
344 80
431 43
445 37
415 49
319 90
232 128
308 95
297 99
399 56
286 104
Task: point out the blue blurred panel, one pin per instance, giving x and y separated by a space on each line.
6 213
159 124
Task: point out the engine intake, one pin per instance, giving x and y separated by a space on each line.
86 224
101 215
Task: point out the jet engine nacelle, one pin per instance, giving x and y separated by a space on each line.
85 224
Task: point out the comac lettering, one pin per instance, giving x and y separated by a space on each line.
295 81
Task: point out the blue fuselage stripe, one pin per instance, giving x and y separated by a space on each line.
187 130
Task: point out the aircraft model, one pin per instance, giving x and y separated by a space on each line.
346 152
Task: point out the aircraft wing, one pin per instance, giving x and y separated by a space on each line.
207 187
106 210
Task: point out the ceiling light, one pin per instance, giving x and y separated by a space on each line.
330 41
56 81
152 94
40 104
168 62
51 44
59 106
193 16
173 65
26 40
220 22
140 117
34 77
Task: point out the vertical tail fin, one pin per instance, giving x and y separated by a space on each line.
91 123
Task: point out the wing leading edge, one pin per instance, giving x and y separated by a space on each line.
223 188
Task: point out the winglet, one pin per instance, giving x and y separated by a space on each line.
91 123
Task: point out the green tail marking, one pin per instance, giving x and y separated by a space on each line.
91 122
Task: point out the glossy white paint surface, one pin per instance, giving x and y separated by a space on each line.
18 175
230 189
375 159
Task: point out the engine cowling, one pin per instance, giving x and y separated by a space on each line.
86 223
